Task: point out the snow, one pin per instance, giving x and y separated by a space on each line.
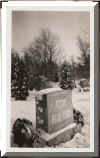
24 109
80 101
49 90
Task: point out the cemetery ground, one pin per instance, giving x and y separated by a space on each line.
81 102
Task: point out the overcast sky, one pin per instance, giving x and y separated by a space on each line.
67 25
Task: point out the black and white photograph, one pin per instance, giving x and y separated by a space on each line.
51 79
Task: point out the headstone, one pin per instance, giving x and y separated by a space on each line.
54 109
54 113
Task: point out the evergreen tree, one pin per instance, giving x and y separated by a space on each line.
66 81
22 84
14 72
19 78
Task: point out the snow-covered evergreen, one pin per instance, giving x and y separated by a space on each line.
19 78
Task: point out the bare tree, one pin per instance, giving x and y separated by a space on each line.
84 47
84 59
44 51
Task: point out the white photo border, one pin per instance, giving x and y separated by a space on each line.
7 9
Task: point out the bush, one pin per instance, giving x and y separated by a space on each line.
39 82
78 117
23 132
84 83
24 135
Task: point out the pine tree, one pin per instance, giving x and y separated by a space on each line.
22 84
19 78
14 73
66 81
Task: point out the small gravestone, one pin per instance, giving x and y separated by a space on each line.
54 115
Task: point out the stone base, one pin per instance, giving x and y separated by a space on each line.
60 136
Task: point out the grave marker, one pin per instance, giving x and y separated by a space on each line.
54 114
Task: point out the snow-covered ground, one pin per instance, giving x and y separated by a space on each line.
24 109
80 100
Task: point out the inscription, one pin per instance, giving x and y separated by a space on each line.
60 104
61 116
57 111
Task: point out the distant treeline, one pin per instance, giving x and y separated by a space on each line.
38 65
